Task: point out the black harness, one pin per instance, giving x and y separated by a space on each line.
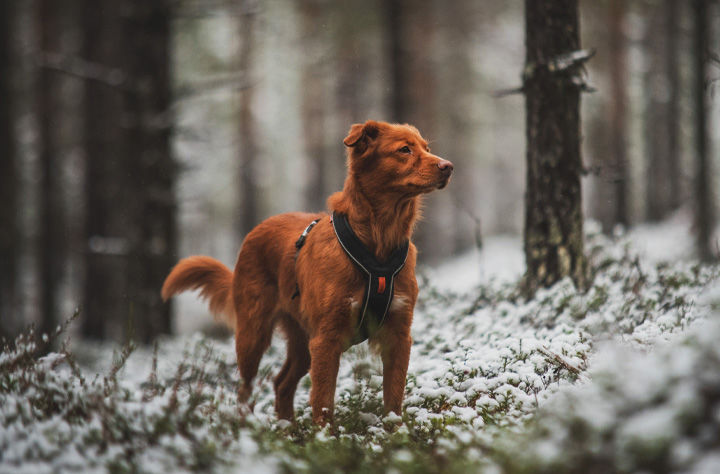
298 245
381 276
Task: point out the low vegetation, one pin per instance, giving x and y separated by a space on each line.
621 378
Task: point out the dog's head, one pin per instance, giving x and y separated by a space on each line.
395 158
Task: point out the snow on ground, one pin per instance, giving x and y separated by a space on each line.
502 259
640 412
629 362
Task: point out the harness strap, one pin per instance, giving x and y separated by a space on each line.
381 276
298 245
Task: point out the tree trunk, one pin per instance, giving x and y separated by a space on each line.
656 140
672 18
356 69
9 221
52 252
619 174
456 80
313 103
395 24
704 215
131 223
248 209
553 211
153 237
107 217
412 96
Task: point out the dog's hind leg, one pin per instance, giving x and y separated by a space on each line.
253 333
296 366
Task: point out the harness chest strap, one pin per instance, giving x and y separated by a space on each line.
380 289
381 276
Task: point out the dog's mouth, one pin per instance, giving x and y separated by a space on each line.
428 187
443 182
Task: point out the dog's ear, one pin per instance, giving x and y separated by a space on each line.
361 132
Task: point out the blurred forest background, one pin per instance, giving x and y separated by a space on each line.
135 132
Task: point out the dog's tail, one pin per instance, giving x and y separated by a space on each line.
211 277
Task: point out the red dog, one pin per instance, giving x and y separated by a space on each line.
315 293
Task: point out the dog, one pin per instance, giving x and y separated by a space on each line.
311 289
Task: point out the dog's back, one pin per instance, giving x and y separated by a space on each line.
264 263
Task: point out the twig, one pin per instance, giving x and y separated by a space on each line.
78 67
560 360
499 94
714 57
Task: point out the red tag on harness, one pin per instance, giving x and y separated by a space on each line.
381 284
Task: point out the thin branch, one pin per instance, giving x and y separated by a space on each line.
78 67
714 57
232 81
560 360
506 92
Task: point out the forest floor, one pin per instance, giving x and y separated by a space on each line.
622 378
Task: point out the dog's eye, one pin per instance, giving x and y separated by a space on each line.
405 149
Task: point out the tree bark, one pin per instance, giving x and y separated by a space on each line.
9 221
456 79
248 206
553 211
52 250
619 175
704 212
153 237
313 103
395 25
672 18
413 95
356 71
655 119
107 217
130 175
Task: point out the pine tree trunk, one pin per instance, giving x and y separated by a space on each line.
672 18
313 103
704 218
354 76
619 174
655 117
9 221
153 237
412 97
395 31
107 178
52 241
459 223
248 208
131 224
553 212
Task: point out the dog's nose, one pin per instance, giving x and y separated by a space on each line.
445 166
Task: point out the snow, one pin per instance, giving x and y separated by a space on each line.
500 259
633 362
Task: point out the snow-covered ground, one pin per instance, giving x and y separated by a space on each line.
624 377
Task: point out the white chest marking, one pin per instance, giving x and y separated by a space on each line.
399 302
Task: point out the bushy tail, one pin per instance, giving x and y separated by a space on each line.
211 277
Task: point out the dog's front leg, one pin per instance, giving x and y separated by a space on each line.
395 357
324 363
